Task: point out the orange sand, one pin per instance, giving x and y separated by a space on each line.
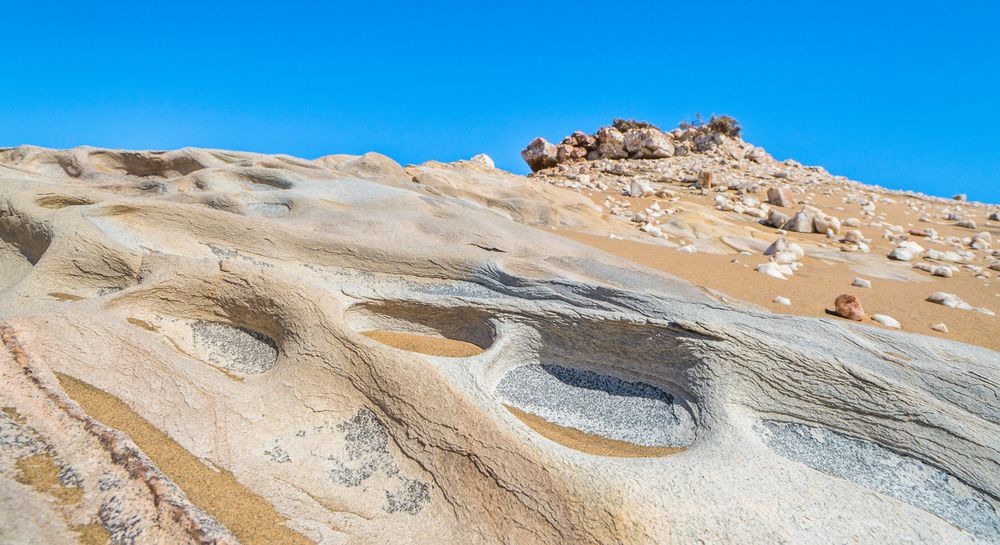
813 288
248 516
586 442
40 472
424 344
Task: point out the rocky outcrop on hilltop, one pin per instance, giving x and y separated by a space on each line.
746 186
640 140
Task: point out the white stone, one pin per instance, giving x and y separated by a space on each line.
886 320
640 188
778 246
771 269
912 246
901 254
938 255
487 161
785 258
861 283
782 300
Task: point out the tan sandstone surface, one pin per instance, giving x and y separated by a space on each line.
205 346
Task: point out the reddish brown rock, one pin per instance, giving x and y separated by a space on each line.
539 154
848 306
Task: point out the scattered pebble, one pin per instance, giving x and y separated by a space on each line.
953 301
945 271
939 327
887 321
861 283
782 300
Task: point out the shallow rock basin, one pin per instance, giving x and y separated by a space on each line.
877 468
600 405
230 347
235 348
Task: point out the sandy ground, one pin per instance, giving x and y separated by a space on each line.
587 442
814 287
249 517
424 344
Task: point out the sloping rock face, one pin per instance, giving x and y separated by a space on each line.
204 346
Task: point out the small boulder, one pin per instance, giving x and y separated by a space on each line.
781 300
901 254
584 140
540 154
640 188
483 159
566 153
776 247
944 271
776 219
848 306
771 269
949 300
648 143
802 222
611 144
938 255
780 196
854 236
940 327
953 301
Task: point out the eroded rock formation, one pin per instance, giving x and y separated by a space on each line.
216 347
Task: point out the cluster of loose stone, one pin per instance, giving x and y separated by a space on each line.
745 182
641 141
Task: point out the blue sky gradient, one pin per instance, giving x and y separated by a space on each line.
902 94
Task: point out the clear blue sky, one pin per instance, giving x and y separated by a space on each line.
903 94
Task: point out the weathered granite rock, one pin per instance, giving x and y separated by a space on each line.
667 416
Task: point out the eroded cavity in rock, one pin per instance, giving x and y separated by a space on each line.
235 348
598 404
877 468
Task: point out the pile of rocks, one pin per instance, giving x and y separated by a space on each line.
784 259
640 140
